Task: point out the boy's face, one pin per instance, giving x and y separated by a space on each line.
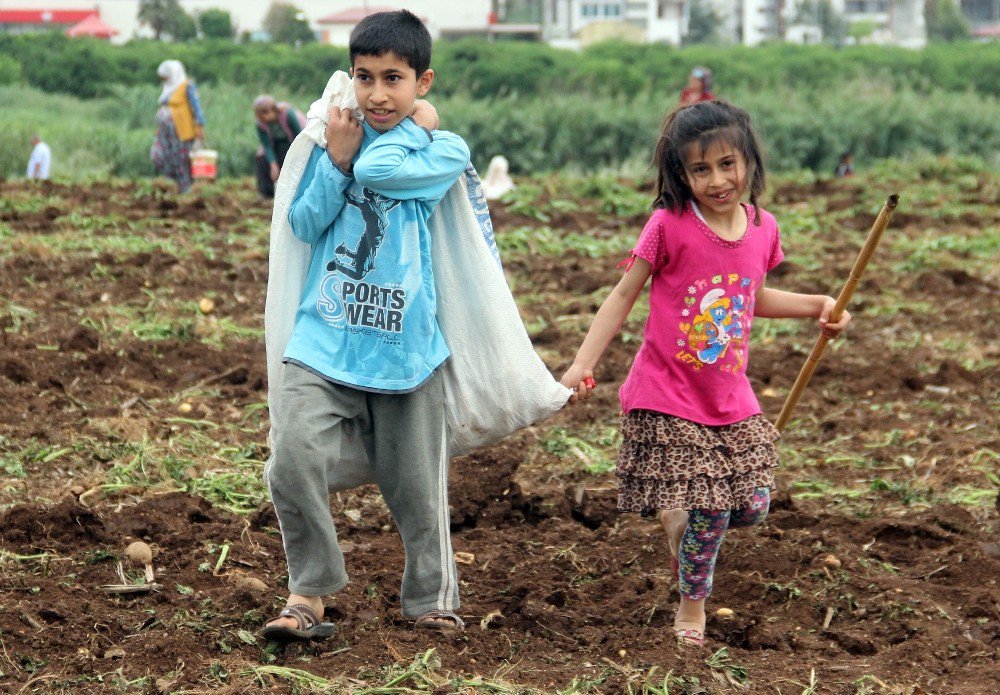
387 87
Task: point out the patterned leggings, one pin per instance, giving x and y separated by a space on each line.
701 541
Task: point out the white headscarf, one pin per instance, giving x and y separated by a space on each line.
497 181
173 71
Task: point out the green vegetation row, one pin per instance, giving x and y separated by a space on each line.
479 69
801 129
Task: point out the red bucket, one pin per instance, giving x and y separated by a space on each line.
204 164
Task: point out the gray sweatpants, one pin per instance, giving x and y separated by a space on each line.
406 439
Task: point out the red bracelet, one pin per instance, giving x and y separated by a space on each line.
590 383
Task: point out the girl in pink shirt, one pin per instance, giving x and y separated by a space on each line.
695 446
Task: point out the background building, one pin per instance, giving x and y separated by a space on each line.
76 22
751 22
983 16
564 23
443 17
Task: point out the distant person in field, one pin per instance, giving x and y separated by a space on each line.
497 180
40 161
845 167
366 348
695 447
179 123
699 87
277 125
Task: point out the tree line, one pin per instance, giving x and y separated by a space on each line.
480 69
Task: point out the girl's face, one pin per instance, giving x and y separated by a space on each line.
717 177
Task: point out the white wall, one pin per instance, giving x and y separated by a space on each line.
907 23
902 23
669 27
758 21
803 33
336 34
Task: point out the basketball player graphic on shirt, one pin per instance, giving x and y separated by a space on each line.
374 210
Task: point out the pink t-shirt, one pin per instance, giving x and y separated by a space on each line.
693 359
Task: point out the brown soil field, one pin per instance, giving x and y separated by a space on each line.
118 395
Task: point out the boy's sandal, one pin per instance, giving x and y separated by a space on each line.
436 620
691 636
309 626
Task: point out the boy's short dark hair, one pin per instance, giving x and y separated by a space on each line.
400 32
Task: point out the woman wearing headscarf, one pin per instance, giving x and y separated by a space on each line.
277 125
179 122
699 87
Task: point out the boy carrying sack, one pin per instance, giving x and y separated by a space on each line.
375 371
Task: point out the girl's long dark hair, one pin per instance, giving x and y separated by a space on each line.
700 125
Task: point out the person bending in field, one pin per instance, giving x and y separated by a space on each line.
366 345
277 125
695 446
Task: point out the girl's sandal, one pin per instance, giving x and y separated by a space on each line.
308 625
689 636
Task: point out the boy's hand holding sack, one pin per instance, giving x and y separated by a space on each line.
343 135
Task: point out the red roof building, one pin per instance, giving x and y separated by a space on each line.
987 32
92 26
353 15
25 21
337 26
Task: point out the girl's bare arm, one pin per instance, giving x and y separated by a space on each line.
607 323
778 304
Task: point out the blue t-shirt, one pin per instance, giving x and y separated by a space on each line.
368 312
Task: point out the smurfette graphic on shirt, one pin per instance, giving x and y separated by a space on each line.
716 334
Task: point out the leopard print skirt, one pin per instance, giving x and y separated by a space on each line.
667 462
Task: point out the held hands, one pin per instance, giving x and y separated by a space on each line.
581 381
343 137
832 330
425 115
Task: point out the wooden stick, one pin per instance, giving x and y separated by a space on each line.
881 222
